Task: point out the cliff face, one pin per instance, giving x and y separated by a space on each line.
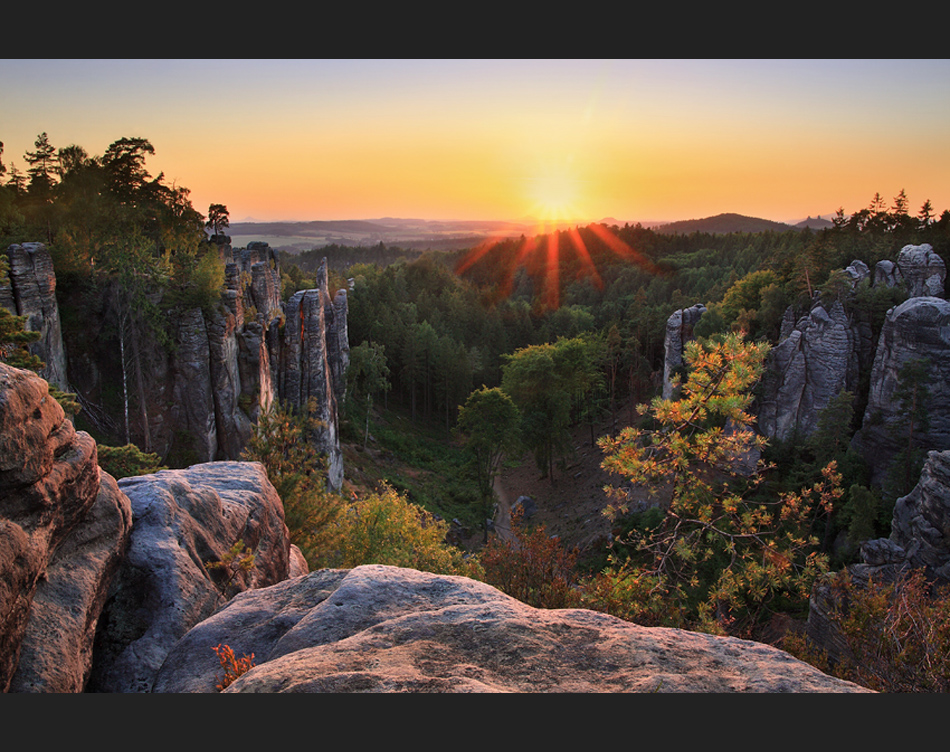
919 328
199 399
30 290
811 365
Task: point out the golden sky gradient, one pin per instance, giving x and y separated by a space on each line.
474 139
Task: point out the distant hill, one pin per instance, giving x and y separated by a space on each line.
722 223
815 223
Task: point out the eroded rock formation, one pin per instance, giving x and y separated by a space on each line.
385 629
181 521
922 270
30 290
919 328
199 399
919 539
810 365
679 330
63 527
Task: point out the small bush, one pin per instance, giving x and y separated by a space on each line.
897 635
233 667
386 528
534 567
126 461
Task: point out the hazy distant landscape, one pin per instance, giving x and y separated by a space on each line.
447 235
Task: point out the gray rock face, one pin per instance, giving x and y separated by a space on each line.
920 538
306 372
192 408
817 360
30 291
183 519
921 524
922 270
52 505
679 330
385 629
917 328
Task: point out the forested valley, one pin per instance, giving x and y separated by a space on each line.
463 362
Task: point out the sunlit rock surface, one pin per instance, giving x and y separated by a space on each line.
385 629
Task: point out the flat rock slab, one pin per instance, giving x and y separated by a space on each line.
386 629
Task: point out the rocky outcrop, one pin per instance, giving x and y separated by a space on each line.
811 365
56 654
919 328
197 398
314 357
30 290
920 539
183 520
679 330
922 270
62 528
385 629
920 529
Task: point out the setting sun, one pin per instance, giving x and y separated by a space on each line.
554 197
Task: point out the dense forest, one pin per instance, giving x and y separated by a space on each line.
511 344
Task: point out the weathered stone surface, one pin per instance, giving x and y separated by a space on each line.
49 480
922 270
182 520
33 291
306 373
56 652
192 406
233 427
679 330
857 272
917 328
385 629
921 523
815 362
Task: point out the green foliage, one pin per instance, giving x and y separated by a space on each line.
489 422
281 442
127 461
239 559
909 428
386 528
724 555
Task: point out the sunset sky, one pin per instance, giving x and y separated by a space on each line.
634 140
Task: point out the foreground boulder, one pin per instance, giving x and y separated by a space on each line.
385 629
182 521
63 528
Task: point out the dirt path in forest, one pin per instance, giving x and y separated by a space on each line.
570 505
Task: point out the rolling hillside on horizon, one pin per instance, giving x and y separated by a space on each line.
296 236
